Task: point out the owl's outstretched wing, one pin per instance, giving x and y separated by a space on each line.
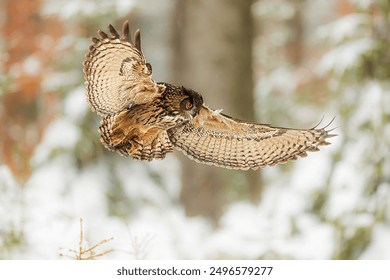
116 73
220 140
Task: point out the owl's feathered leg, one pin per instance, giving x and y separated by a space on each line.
142 142
117 137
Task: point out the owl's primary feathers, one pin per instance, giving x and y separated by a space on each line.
147 120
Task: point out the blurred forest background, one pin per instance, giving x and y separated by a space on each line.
285 62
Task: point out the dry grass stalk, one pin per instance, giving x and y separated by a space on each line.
86 253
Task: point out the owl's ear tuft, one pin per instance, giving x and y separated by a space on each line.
102 35
137 39
125 36
149 66
114 34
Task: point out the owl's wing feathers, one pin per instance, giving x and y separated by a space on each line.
220 140
116 72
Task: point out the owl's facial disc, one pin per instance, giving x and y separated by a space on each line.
187 107
191 103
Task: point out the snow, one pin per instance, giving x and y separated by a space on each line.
345 56
278 80
351 40
308 174
315 240
67 9
363 4
31 65
380 240
11 214
265 8
241 233
251 232
75 105
64 194
373 96
61 134
343 28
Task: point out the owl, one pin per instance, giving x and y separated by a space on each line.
147 119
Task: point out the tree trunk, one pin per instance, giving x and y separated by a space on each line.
295 44
213 54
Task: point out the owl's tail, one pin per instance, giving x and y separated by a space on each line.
112 138
139 141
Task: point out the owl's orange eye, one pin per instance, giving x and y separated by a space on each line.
186 104
189 105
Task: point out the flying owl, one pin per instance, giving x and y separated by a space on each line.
148 119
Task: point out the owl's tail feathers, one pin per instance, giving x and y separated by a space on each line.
113 138
155 145
135 140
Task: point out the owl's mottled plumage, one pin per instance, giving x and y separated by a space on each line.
147 120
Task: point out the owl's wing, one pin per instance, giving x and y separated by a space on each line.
116 73
220 140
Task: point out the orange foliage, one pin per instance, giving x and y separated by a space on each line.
345 7
25 111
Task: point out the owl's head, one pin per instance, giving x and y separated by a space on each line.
190 103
